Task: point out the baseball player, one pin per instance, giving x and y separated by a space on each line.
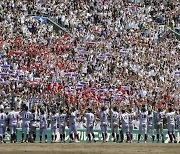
143 117
13 118
159 116
151 124
53 119
178 122
33 125
43 125
171 124
3 120
89 116
62 124
115 124
26 118
132 116
103 114
124 120
72 125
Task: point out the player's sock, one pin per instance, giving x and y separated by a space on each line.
40 138
131 137
153 137
71 136
12 138
22 136
117 137
55 137
106 136
27 136
103 136
122 136
158 137
61 137
174 136
45 137
77 137
162 135
128 137
52 137
145 137
89 136
64 137
93 135
113 135
170 136
139 137
1 138
34 136
15 137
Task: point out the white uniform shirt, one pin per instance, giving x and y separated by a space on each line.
62 119
151 119
114 117
89 119
124 117
170 118
159 116
131 118
13 117
103 116
143 117
178 120
26 117
3 118
72 118
43 120
53 119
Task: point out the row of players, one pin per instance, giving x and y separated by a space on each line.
148 120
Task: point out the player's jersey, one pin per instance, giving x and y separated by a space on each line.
114 117
62 119
34 118
103 116
131 118
13 118
26 117
170 118
151 119
89 119
3 118
43 120
53 119
178 120
72 118
143 117
124 117
159 116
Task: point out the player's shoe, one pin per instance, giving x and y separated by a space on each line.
22 141
175 141
162 141
1 141
71 141
138 142
114 140
26 141
130 141
179 142
145 141
170 142
76 141
4 141
45 141
40 141
95 141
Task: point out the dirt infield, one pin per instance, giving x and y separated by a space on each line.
89 148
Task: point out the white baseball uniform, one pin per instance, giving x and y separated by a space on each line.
26 118
13 117
104 120
143 122
53 119
159 116
43 124
3 119
89 122
115 121
171 122
62 123
72 122
124 117
151 124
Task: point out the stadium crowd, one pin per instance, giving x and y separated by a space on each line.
116 53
